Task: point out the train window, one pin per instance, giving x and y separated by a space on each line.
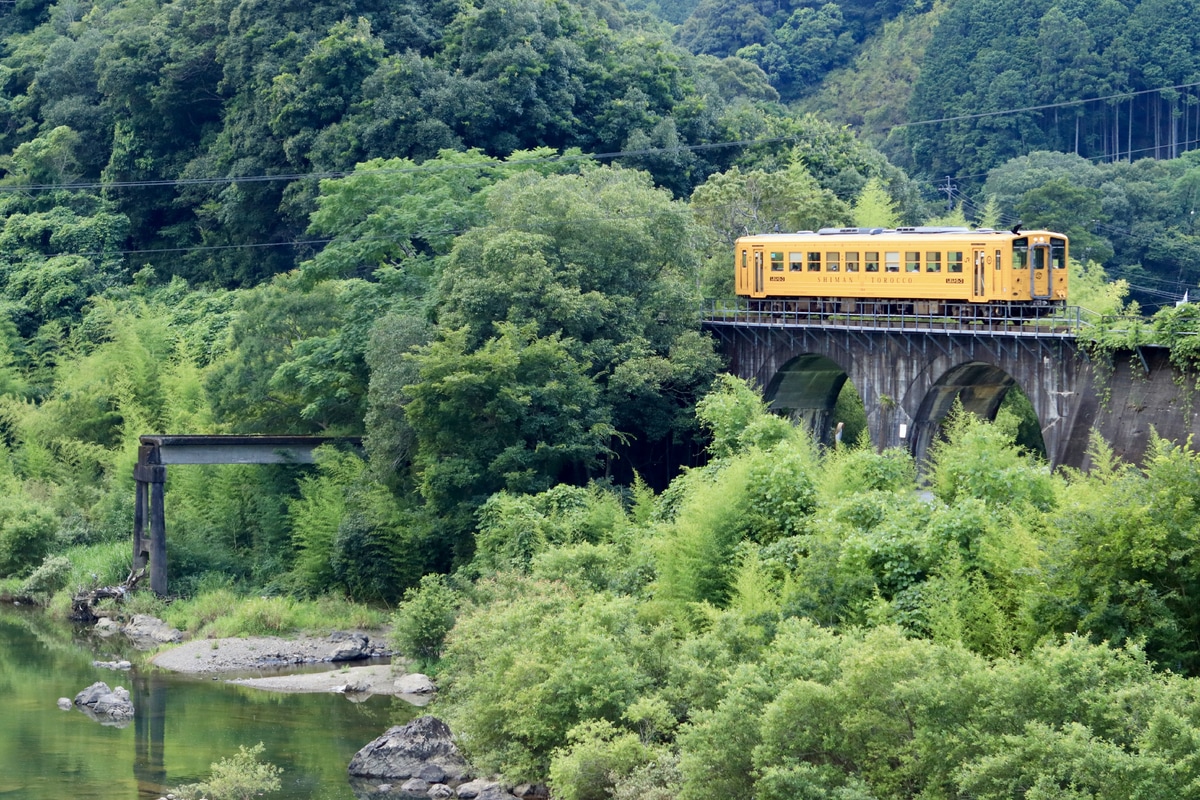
745 259
933 262
1058 253
851 262
1039 257
814 262
1020 253
998 264
872 261
954 261
776 262
891 262
912 261
796 262
831 261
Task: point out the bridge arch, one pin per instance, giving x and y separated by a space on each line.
979 386
808 388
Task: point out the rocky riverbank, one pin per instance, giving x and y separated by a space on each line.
263 662
417 760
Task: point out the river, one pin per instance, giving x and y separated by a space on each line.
182 725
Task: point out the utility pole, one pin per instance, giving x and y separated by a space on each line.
949 189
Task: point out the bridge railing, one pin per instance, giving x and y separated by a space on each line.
1063 322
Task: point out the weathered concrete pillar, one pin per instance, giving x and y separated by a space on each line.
151 478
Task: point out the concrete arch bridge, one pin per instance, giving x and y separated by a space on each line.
909 371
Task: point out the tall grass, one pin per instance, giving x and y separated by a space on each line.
223 613
104 564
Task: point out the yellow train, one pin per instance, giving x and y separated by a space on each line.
929 270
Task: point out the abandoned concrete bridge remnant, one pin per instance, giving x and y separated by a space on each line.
909 372
155 453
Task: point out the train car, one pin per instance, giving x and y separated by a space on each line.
930 270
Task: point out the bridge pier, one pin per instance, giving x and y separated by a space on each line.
150 477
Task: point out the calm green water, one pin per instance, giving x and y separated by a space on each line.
182 725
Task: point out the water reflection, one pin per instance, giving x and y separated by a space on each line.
181 725
149 723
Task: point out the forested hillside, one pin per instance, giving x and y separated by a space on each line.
477 234
374 219
158 102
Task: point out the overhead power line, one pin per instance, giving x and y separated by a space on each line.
499 164
428 166
1046 106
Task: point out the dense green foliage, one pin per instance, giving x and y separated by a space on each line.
861 641
477 233
133 97
993 55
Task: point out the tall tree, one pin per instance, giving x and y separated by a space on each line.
600 268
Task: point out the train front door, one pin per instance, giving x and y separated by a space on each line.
1039 279
979 281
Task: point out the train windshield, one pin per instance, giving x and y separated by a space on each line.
1058 253
1039 257
1020 253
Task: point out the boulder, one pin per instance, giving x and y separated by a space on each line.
431 773
440 791
148 631
120 665
354 687
404 750
107 627
483 790
105 702
352 648
415 786
471 789
65 703
414 683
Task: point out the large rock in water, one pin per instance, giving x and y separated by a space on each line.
105 702
407 751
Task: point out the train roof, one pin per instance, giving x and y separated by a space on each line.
896 234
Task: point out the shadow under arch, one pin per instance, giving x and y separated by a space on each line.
815 390
982 389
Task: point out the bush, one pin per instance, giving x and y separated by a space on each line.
658 780
515 529
195 614
583 567
105 564
513 709
239 778
980 459
381 548
598 754
52 575
25 535
314 518
853 471
424 618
